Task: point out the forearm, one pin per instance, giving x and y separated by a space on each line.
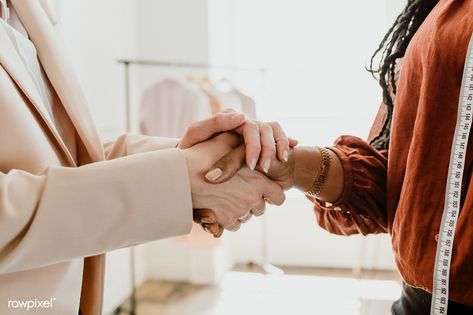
307 162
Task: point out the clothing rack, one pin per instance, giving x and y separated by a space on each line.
128 114
170 64
186 65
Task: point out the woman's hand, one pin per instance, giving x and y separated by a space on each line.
265 142
281 173
228 204
299 172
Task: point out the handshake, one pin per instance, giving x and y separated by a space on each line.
236 166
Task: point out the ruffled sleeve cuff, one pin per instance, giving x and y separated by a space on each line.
361 206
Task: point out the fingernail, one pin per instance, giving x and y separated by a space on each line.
253 164
266 166
206 220
285 155
237 119
214 174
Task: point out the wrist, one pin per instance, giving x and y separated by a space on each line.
192 170
306 167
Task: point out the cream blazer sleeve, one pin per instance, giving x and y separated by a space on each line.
66 213
129 144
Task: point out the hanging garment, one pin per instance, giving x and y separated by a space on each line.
167 109
209 89
215 106
170 106
248 105
230 97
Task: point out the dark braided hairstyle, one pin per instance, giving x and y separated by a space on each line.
392 47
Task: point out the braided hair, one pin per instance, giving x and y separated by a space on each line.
393 47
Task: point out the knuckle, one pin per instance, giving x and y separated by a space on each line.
246 218
266 128
254 146
217 119
270 148
225 221
233 221
282 144
192 127
275 125
248 200
227 160
283 141
257 212
234 227
250 124
254 197
259 206
280 200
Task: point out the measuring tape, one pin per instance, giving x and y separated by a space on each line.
451 210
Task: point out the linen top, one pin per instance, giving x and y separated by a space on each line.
27 52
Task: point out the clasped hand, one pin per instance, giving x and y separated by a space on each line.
225 199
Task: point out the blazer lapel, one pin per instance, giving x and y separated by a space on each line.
11 62
60 72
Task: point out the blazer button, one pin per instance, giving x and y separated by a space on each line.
436 238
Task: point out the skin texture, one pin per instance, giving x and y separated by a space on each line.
299 172
264 143
227 204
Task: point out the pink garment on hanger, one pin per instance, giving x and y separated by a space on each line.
170 106
167 109
248 105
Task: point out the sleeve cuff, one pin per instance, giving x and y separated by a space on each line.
347 176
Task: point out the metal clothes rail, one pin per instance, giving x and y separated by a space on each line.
170 64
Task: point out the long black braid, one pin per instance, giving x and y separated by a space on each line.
392 47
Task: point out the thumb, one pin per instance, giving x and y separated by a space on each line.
227 166
293 142
206 129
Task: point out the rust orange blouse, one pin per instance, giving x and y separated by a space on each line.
402 192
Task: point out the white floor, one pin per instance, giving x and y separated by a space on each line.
253 293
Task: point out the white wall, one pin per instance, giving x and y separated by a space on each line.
166 30
174 30
316 86
97 33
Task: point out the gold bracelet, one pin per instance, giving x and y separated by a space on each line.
321 179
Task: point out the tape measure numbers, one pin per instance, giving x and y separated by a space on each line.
451 209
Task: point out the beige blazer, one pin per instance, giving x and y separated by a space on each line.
59 205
